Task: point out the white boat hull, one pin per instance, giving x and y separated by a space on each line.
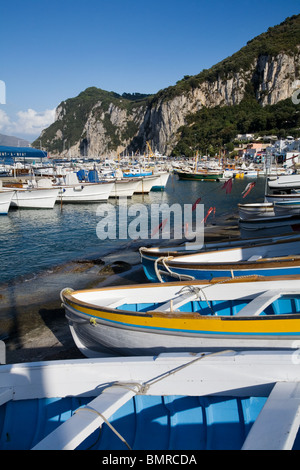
84 193
124 188
146 184
5 201
34 198
284 182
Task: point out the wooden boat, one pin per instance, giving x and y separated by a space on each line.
265 257
205 175
277 196
5 200
287 208
227 401
256 209
187 316
275 225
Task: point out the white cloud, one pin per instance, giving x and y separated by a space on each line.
28 122
4 120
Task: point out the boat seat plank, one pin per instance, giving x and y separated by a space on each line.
76 429
258 304
278 422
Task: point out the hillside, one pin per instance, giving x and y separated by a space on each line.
240 94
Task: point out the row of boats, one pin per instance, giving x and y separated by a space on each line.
43 193
280 210
203 356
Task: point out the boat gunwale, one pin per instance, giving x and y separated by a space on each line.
144 251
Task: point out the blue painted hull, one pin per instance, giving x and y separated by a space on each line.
209 273
146 422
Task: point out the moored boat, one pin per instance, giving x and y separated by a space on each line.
71 191
146 183
287 208
5 201
284 182
34 198
186 316
274 225
205 175
256 209
227 401
265 257
125 187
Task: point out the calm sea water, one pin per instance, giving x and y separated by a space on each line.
33 241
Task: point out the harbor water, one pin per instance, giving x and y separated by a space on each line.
37 246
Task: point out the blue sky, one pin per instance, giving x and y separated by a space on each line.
52 50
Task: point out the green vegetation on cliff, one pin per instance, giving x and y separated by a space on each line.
209 130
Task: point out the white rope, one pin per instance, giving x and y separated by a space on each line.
92 410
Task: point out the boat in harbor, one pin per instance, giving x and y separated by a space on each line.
5 201
275 225
200 175
190 316
146 183
202 401
278 196
256 209
34 198
265 257
72 191
287 208
284 182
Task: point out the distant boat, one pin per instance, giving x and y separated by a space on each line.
5 201
190 316
201 401
205 175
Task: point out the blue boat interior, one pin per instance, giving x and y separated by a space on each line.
145 422
281 306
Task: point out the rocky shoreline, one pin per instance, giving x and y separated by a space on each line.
38 329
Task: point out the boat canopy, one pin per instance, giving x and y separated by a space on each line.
22 152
